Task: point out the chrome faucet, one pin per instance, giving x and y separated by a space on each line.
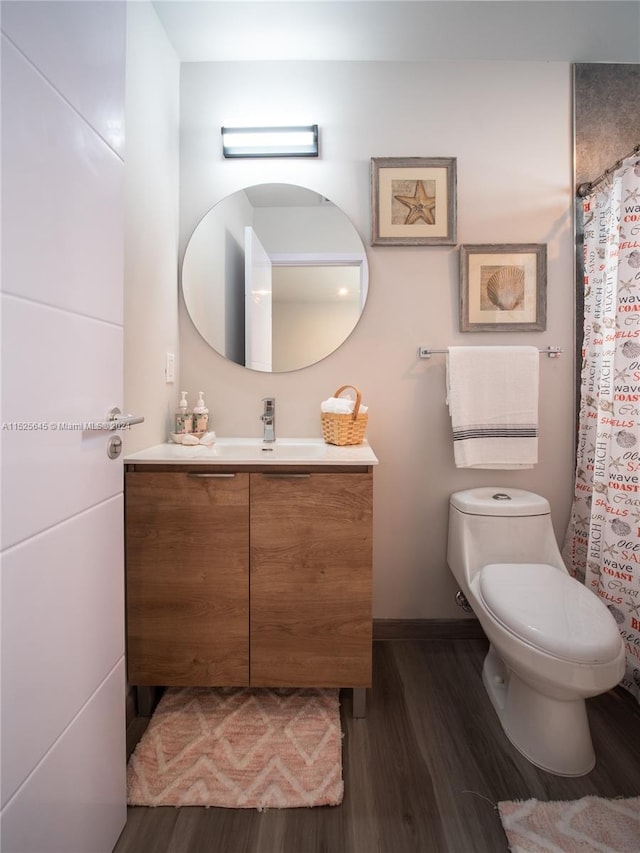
268 418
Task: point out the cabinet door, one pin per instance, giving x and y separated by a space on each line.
311 580
187 579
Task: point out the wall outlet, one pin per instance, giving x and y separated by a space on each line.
170 368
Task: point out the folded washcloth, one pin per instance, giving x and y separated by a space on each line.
337 405
340 406
492 393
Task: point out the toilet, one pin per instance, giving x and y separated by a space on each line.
553 642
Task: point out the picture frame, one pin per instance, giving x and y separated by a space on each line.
413 201
503 287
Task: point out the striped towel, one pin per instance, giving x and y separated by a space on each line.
492 393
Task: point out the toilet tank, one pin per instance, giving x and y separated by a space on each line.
499 525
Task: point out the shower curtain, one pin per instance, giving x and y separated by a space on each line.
602 547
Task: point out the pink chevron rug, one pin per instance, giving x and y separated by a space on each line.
240 748
589 825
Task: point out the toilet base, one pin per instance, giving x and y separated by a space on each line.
552 734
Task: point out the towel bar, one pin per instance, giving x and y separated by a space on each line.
427 352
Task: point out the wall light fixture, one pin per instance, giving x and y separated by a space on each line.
300 141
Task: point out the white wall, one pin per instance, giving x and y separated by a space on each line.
305 331
63 722
509 126
151 226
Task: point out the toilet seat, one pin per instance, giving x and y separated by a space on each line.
550 610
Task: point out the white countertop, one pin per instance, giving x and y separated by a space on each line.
252 451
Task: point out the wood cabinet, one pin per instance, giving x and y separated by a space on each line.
248 577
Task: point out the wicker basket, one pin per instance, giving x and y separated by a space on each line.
345 429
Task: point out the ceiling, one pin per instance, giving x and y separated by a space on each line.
402 30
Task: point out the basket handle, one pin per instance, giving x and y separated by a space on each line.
358 398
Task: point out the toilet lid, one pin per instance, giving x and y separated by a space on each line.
550 610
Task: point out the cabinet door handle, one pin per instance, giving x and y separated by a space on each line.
218 476
287 476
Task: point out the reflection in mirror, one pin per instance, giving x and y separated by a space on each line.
275 277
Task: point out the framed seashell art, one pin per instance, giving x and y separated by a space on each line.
413 201
503 287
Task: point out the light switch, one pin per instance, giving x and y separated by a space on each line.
170 368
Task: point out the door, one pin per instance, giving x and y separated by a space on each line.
63 726
258 296
187 546
310 622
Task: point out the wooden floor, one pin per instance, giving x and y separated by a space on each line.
423 771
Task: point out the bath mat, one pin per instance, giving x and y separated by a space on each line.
589 825
240 748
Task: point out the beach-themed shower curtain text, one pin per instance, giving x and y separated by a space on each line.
602 548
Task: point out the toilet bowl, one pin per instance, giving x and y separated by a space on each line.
553 642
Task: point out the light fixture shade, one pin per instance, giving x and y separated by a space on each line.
299 141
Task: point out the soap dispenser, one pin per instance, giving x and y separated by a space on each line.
200 415
184 418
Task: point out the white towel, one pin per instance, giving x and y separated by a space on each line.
341 406
492 394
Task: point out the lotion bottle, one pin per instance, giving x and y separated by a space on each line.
200 415
184 418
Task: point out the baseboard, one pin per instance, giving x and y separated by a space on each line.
427 629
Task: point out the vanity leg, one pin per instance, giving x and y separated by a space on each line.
359 701
145 697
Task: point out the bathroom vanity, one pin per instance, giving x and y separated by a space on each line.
250 565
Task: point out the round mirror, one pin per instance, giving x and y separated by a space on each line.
275 277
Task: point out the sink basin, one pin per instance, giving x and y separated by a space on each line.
255 450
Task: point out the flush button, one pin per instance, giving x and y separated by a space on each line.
501 496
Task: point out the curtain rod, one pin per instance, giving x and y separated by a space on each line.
586 188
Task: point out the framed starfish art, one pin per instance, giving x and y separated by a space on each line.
413 201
